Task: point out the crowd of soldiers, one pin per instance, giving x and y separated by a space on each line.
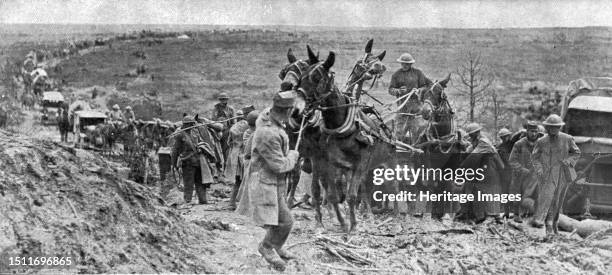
537 162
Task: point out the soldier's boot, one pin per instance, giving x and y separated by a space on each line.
285 254
271 257
235 193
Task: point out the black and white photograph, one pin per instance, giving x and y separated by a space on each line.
305 137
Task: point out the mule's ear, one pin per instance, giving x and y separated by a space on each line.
382 55
368 47
312 58
184 114
290 56
329 62
196 117
445 81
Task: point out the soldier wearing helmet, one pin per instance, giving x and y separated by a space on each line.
483 155
554 157
404 80
115 115
504 149
524 181
222 111
193 152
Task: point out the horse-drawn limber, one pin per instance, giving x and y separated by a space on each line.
587 113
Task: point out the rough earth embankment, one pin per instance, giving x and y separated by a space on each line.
55 200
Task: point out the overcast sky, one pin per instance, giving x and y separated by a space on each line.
345 13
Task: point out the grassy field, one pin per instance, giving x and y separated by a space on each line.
187 74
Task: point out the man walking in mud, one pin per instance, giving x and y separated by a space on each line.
402 82
524 180
223 111
554 157
192 152
271 160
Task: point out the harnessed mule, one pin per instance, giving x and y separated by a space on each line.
290 75
370 67
348 155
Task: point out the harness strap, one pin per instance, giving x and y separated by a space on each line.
347 127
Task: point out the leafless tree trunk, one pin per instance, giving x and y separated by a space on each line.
474 79
498 109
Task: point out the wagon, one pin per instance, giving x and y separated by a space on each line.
587 112
51 104
85 123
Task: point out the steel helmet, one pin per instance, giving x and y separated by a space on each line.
223 96
252 117
128 108
473 128
406 58
239 113
504 132
115 107
553 120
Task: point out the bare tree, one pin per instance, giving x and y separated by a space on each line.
474 79
498 108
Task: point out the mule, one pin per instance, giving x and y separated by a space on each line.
347 154
290 75
370 67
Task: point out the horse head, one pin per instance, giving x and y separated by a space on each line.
366 68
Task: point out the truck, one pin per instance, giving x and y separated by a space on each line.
586 110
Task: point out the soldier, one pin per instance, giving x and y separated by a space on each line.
524 181
232 170
403 81
483 156
271 160
504 149
223 111
554 157
192 152
130 117
115 115
245 156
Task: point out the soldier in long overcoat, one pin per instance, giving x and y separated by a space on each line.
235 141
243 189
554 157
271 160
482 156
524 180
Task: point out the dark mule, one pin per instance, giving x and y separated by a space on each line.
290 75
370 67
348 155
